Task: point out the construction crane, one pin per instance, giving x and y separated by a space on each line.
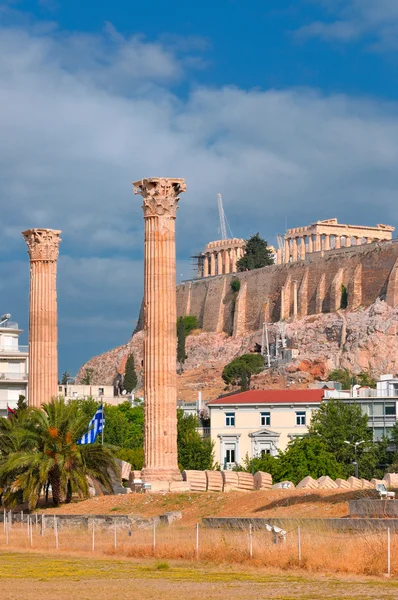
223 226
281 246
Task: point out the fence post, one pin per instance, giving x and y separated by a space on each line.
21 519
114 535
43 525
251 540
299 545
197 541
154 536
388 552
36 520
56 532
7 533
27 526
93 538
31 532
10 518
5 518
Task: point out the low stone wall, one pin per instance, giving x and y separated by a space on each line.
344 525
373 508
47 521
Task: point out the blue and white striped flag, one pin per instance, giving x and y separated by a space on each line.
95 427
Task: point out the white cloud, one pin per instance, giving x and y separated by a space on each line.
74 134
349 20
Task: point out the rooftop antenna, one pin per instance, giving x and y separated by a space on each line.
222 217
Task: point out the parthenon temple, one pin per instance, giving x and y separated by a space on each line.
323 236
220 257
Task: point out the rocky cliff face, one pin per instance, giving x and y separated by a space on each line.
366 339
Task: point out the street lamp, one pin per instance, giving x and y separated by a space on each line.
355 463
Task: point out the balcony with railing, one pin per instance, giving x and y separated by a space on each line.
18 377
11 349
204 432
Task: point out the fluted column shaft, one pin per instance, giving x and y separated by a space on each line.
160 316
287 250
212 264
302 248
294 250
206 266
327 242
227 262
337 241
310 244
43 248
219 263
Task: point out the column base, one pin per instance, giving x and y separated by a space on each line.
150 474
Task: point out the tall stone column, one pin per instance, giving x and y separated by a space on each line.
160 316
294 250
43 250
233 260
337 243
206 266
327 242
287 250
318 241
359 241
219 263
302 248
348 241
227 262
310 244
212 264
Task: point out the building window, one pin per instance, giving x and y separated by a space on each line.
300 418
265 418
100 391
230 420
390 410
229 456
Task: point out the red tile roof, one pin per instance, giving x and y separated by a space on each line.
271 397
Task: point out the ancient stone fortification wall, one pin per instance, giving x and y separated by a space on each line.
309 287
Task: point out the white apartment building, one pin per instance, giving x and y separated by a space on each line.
259 422
13 365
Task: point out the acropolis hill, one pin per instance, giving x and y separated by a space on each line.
306 293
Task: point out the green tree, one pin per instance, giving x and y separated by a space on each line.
337 423
257 254
308 456
87 377
181 354
190 323
130 377
65 377
344 297
21 404
366 380
50 455
194 452
240 370
235 285
348 379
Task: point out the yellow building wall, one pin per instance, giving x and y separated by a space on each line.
247 420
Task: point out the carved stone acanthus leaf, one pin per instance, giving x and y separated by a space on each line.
160 195
43 244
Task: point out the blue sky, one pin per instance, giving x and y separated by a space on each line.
288 108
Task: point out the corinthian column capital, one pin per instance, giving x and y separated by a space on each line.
43 244
160 195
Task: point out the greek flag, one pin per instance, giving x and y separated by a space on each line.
95 427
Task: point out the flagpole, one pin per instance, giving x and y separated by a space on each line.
102 418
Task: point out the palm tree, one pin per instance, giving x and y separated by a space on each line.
39 448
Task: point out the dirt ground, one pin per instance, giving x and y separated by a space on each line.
44 577
194 506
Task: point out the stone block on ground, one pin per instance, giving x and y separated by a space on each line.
375 482
366 485
158 487
343 484
230 480
245 481
284 485
135 475
180 486
307 483
196 479
391 480
214 481
355 483
326 483
170 517
262 481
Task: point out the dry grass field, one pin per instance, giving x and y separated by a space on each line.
194 506
43 576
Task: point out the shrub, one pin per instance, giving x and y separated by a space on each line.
235 285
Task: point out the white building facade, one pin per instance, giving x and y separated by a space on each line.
13 365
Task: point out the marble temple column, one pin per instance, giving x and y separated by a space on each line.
337 243
287 250
302 248
294 250
310 244
43 250
219 263
326 245
161 197
318 241
233 260
212 263
206 266
227 261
